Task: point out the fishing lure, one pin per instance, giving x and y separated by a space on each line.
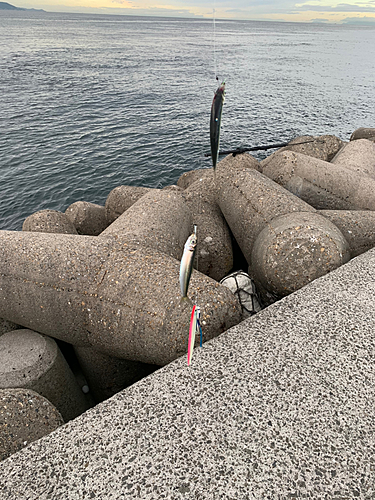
215 122
192 332
195 326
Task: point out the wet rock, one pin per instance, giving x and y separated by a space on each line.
119 298
323 147
363 133
188 178
107 375
358 228
214 255
32 361
7 326
25 416
160 220
323 185
120 199
49 221
87 218
357 156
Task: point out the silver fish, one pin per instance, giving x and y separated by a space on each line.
216 111
187 261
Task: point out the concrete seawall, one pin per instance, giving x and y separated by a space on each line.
280 406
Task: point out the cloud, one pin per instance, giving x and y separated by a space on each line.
359 20
319 20
341 7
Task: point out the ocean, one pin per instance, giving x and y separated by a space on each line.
91 102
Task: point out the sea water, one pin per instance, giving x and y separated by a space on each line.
90 102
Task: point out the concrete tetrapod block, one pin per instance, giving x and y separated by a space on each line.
25 416
49 221
122 299
33 361
279 407
363 133
294 249
323 147
161 220
358 228
87 218
357 156
323 185
188 178
120 199
249 200
214 254
107 375
7 326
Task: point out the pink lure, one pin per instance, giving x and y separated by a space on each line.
192 331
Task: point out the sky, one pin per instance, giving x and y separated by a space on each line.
354 11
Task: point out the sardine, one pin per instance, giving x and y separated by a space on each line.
187 261
215 122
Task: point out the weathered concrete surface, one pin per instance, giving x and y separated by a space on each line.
120 199
363 133
323 147
357 226
7 326
87 218
294 249
249 200
357 156
188 178
323 185
122 299
25 416
214 250
284 250
33 361
107 375
280 406
160 220
49 221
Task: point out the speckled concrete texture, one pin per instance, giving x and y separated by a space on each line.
214 251
294 249
323 147
249 200
49 221
188 178
25 416
33 361
323 185
357 156
281 406
87 218
160 220
107 375
357 226
120 199
7 326
119 298
363 133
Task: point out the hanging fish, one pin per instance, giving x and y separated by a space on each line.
216 110
192 332
187 261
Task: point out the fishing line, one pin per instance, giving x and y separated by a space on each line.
214 22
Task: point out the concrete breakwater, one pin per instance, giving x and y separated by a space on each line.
105 279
